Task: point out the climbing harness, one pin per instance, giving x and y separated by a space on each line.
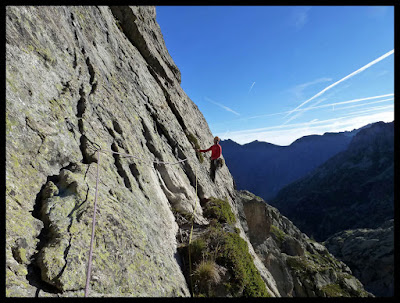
89 268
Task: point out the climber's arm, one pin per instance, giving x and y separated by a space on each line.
204 150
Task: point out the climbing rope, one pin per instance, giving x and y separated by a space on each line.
93 226
190 239
89 268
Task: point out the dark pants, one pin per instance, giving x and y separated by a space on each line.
213 168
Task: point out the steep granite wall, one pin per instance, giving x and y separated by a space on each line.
79 78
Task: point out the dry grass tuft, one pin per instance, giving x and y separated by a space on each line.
205 275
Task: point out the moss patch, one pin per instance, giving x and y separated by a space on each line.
220 210
236 257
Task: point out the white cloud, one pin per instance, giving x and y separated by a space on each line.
286 134
222 106
337 82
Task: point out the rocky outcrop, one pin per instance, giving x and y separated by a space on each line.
300 266
370 255
94 88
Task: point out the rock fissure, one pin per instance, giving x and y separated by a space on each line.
60 203
66 251
167 96
34 272
92 75
81 106
177 151
75 60
120 169
79 206
31 125
136 174
149 141
87 150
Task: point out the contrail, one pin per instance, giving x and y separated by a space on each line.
323 106
222 106
363 104
251 87
341 80
316 123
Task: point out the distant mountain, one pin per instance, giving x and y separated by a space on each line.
264 168
353 189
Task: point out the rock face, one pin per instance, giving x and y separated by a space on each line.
354 189
370 255
94 88
299 265
79 79
264 168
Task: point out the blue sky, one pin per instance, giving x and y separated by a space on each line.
277 73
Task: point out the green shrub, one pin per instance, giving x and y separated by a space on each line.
219 247
220 210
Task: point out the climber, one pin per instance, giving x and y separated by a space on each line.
216 161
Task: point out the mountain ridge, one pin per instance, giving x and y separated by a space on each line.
264 168
351 133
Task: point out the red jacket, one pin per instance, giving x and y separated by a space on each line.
216 151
